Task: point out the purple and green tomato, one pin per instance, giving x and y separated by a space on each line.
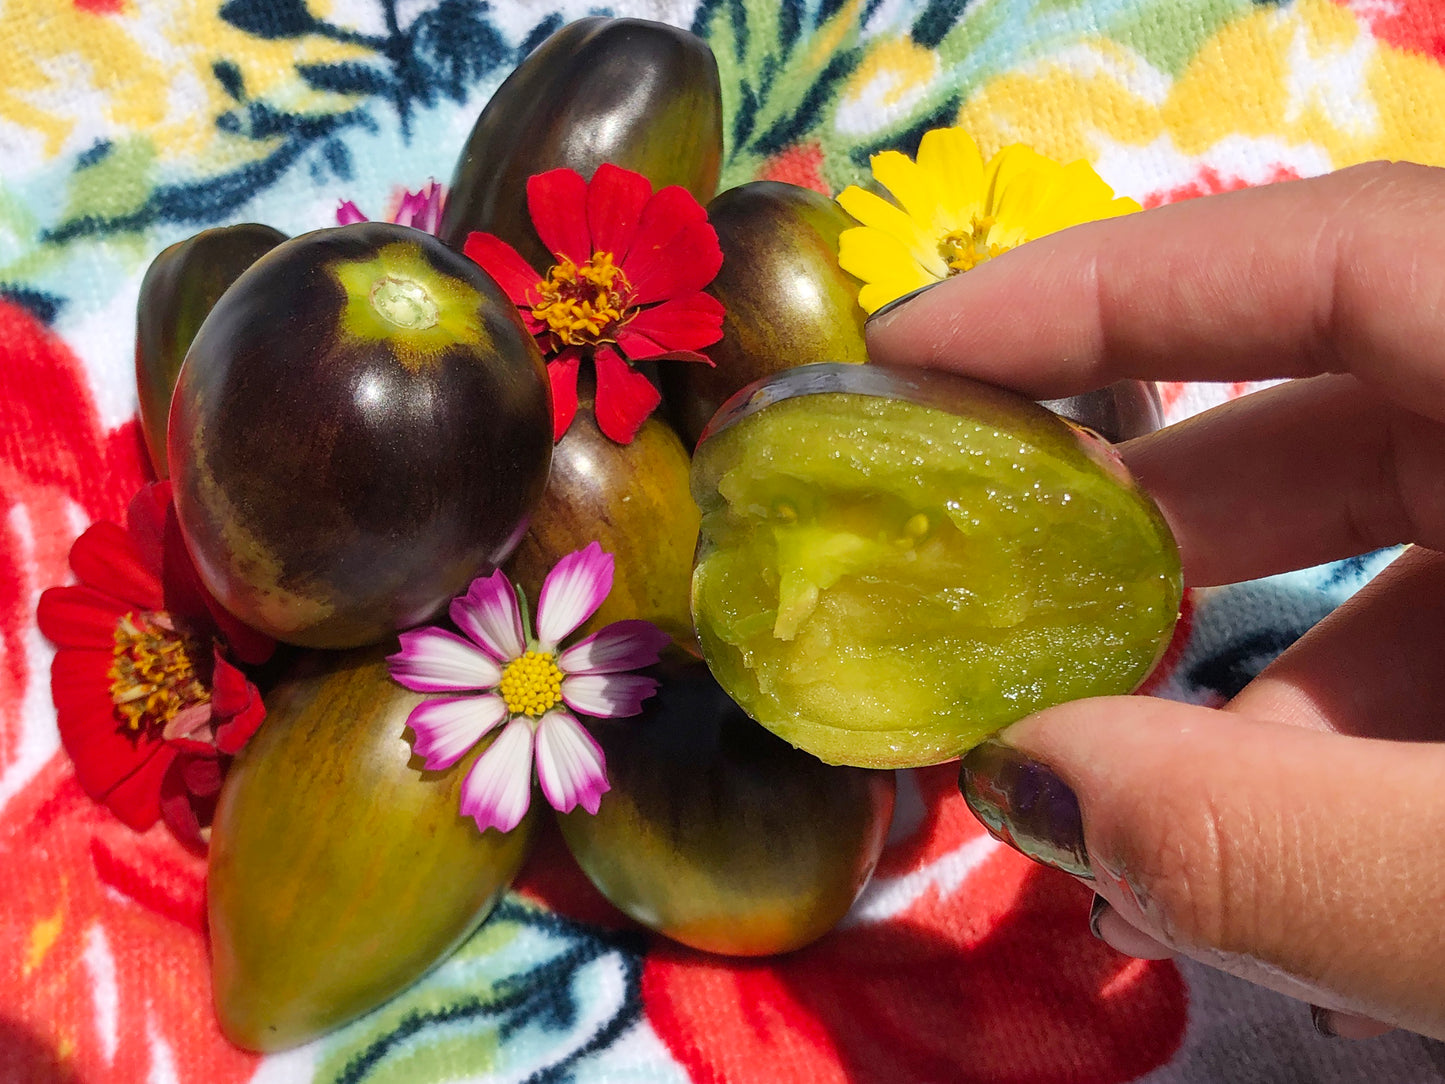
362 424
896 563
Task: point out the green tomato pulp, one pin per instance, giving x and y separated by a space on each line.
884 584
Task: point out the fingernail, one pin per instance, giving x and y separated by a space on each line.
1023 803
1096 912
899 302
1323 1020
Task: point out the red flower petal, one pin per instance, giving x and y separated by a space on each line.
675 250
615 200
624 396
562 376
237 706
79 617
517 278
685 323
136 799
103 756
145 522
557 202
104 557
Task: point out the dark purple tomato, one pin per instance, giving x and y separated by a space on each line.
361 425
722 836
1122 411
788 302
642 95
179 289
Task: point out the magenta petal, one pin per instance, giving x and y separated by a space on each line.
622 645
348 214
422 209
434 661
607 696
557 202
489 614
573 590
498 789
570 764
447 727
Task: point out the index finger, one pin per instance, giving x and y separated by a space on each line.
1342 273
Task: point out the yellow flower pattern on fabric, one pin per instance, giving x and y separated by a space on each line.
1306 87
142 68
953 211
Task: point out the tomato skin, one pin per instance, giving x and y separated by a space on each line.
640 94
337 475
180 288
633 500
788 302
1121 411
721 836
339 871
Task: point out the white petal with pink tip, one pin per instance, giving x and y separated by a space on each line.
498 789
573 590
433 661
447 728
570 764
622 645
607 696
489 614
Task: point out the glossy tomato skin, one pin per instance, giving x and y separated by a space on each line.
787 301
1121 411
339 474
179 290
340 871
633 500
721 836
642 95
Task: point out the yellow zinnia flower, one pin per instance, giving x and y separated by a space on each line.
953 211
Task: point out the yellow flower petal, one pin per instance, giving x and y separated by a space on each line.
875 211
915 190
883 263
951 155
958 211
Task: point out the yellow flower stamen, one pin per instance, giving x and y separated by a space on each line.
153 675
583 305
531 684
963 250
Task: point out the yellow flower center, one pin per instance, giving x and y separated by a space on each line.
963 250
531 684
153 675
584 304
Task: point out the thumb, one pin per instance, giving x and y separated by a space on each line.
1304 861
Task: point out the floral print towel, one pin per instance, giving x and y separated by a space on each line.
128 124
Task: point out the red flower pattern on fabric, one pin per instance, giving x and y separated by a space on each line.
627 287
149 706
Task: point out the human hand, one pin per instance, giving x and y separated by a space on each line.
1292 837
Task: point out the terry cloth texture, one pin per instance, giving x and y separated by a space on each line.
126 125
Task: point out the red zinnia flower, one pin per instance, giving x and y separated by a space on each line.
627 286
149 707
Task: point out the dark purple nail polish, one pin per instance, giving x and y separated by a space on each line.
1323 1021
1023 803
1097 910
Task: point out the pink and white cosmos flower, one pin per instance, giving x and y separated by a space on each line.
528 687
421 209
